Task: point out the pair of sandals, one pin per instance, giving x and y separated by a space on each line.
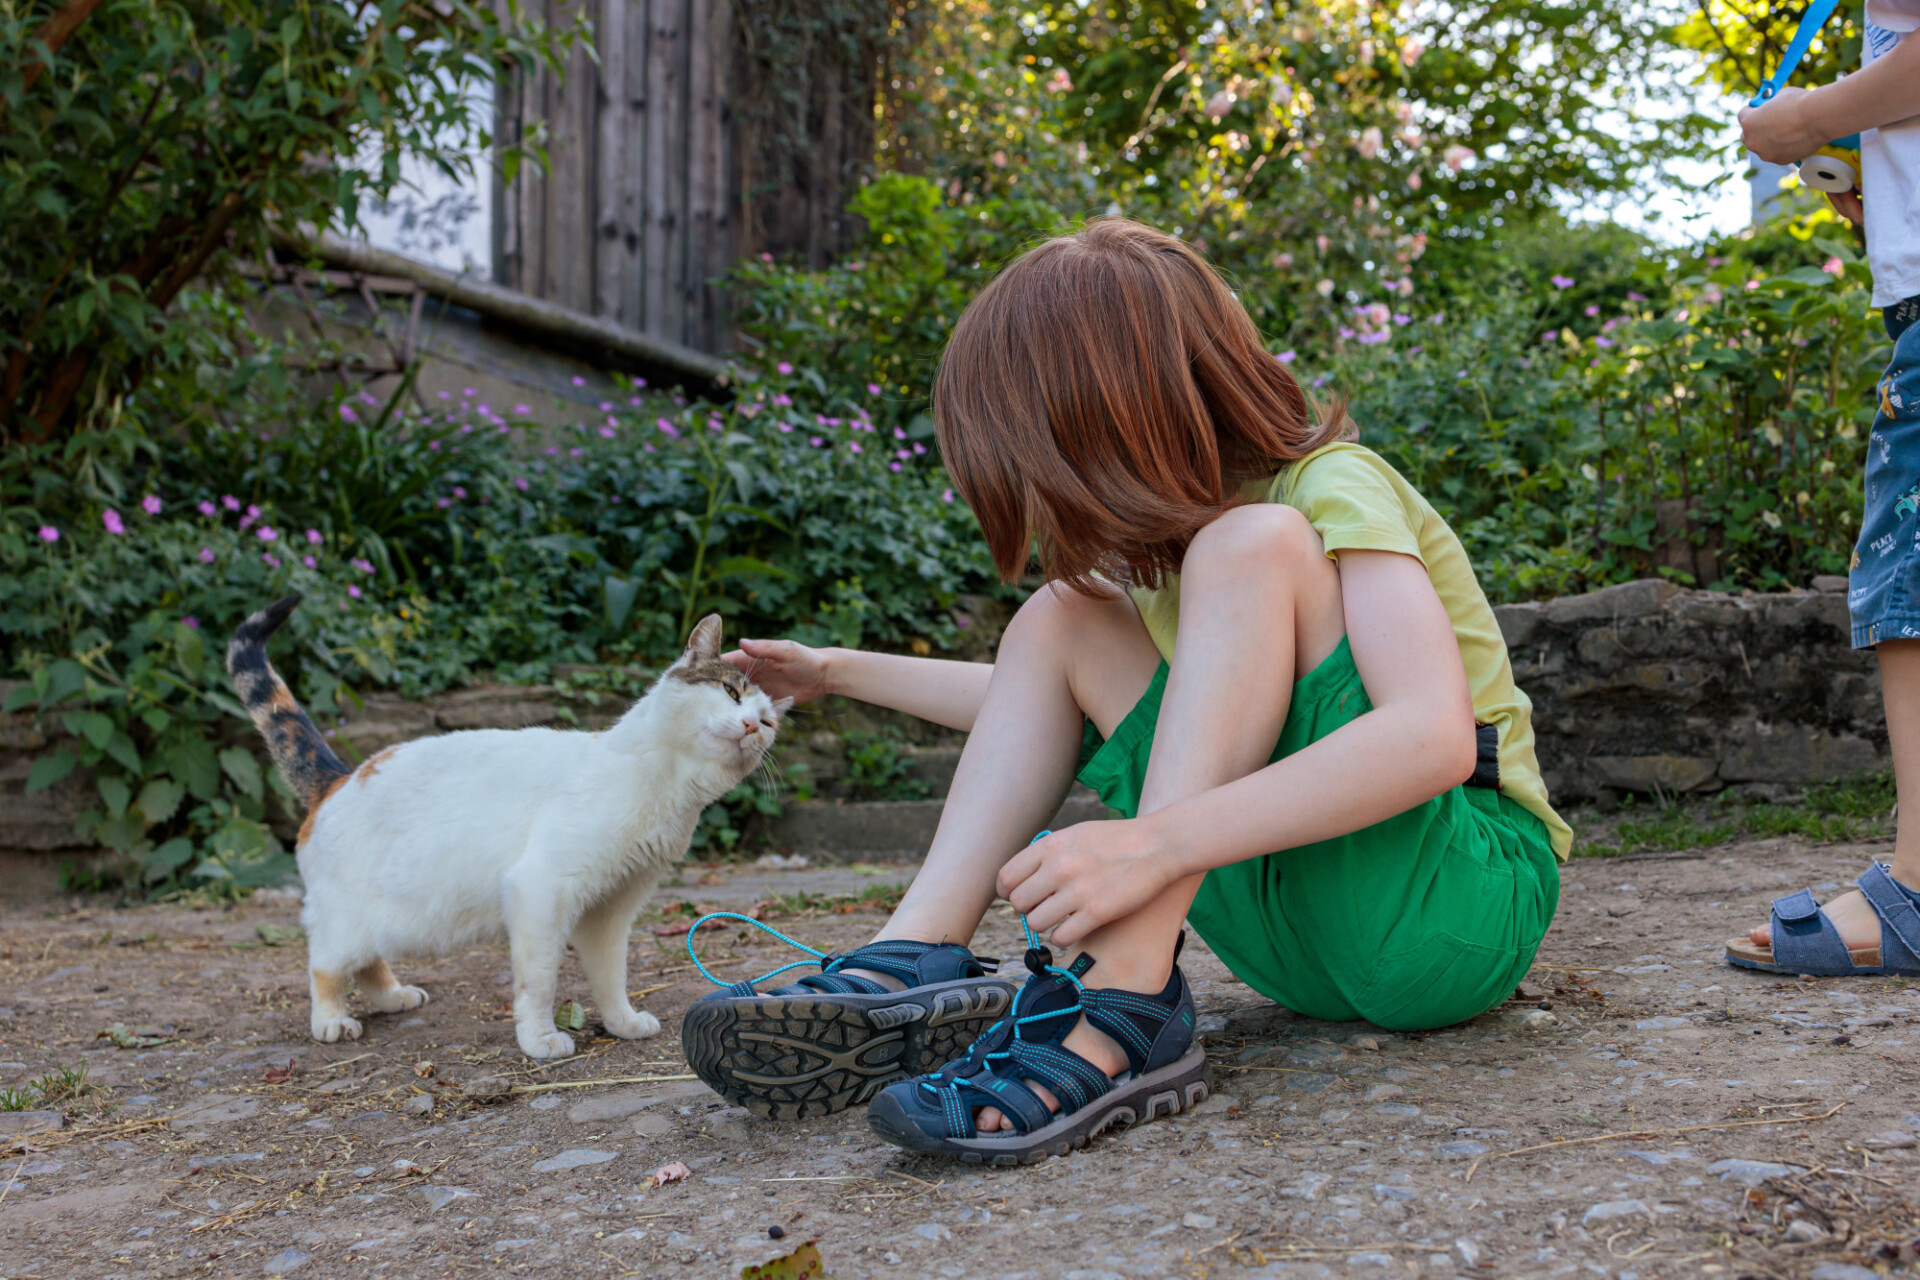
954 1039
1806 942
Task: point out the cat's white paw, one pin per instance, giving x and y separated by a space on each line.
544 1045
330 1030
632 1025
397 999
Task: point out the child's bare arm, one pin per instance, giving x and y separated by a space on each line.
945 692
1798 122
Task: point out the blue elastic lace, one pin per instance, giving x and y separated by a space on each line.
819 957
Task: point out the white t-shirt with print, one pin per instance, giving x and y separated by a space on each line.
1890 169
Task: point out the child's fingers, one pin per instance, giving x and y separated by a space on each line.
1016 871
737 659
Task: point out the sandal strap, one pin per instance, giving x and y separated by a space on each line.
1805 940
1898 918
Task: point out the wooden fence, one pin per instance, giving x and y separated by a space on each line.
667 161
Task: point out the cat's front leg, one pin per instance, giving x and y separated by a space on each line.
601 939
536 933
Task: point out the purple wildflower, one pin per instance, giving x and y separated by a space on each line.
459 491
1285 357
784 367
522 410
1561 282
206 555
111 519
607 432
918 447
853 447
899 433
314 537
579 381
946 495
354 592
444 395
575 452
230 502
208 510
346 412
816 441
520 483
606 406
873 388
190 622
49 534
266 533
667 428
786 428
364 566
151 504
309 562
893 466
269 557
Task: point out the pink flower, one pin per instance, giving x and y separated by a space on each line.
151 504
1635 297
1061 82
1345 333
667 428
354 592
946 495
635 401
786 428
346 412
1833 266
1286 357
485 409
873 388
1561 282
49 534
607 432
574 453
208 510
253 512
313 537
266 533
713 424
459 491
553 451
444 395
639 382
919 448
364 566
521 410
1551 335
268 556
1605 344
309 562
784 368
1370 141
230 502
520 483
606 406
899 434
1411 49
853 447
443 503
783 401
903 453
816 441
111 519
579 381
190 622
206 555
766 257
1456 156
893 466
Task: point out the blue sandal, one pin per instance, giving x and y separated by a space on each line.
1167 1071
1806 942
834 1039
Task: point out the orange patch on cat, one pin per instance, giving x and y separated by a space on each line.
313 811
376 977
282 698
373 763
329 988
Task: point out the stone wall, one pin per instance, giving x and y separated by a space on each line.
1636 688
1647 688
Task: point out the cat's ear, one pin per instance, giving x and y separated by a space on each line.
781 706
705 640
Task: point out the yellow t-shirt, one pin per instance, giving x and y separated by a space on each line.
1357 502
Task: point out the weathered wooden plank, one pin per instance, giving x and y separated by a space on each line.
663 313
609 156
631 205
570 202
702 110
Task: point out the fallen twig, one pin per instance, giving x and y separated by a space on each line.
584 1084
1644 1133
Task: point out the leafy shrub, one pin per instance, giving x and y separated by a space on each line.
877 768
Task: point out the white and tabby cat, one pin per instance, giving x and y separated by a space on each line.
545 836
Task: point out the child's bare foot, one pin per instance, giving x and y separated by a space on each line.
1851 914
1091 1043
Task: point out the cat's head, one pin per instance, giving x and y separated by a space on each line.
717 711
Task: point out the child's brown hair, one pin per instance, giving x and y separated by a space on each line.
1105 398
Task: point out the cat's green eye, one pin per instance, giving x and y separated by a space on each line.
732 692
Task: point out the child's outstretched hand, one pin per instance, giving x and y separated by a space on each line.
1783 131
782 668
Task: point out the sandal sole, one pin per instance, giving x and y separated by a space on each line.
790 1057
1177 1087
1745 955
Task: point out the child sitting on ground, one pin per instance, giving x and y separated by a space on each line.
1331 774
1875 929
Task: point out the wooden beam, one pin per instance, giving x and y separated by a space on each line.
535 315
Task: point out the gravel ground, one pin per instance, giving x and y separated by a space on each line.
1707 1121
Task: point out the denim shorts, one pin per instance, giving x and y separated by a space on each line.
1883 588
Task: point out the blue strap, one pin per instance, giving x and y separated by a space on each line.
1810 23
1899 918
819 957
1805 941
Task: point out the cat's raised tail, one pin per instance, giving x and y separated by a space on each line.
297 747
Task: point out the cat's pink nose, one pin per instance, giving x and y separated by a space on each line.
748 728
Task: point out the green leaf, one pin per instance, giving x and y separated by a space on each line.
570 1017
94 726
620 593
117 794
244 770
19 699
734 566
280 935
48 770
165 860
160 799
189 650
193 763
121 748
1811 276
64 679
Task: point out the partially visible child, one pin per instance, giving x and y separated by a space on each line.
1875 929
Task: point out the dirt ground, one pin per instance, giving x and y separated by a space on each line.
1769 1123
